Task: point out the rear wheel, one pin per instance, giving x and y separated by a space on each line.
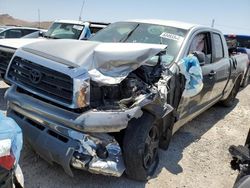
141 145
232 97
246 79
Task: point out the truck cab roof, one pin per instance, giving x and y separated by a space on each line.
172 23
82 22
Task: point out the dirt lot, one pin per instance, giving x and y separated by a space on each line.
198 155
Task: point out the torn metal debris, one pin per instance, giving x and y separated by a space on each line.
98 153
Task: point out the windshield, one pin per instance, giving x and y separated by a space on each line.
132 32
64 31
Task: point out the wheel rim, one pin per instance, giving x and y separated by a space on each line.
151 147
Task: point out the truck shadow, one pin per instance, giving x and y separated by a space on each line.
39 173
33 166
188 134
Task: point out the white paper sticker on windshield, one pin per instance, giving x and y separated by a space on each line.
171 36
78 27
5 146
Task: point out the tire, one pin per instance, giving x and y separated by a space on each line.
167 134
232 96
141 145
246 79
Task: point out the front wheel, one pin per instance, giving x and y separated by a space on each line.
141 145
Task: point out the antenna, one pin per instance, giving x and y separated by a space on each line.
39 22
80 16
213 21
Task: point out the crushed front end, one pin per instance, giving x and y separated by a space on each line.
70 116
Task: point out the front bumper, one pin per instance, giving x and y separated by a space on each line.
89 121
49 131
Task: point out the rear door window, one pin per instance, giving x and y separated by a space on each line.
218 47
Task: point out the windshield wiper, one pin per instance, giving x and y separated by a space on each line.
50 37
129 34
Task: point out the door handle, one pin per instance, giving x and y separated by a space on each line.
212 73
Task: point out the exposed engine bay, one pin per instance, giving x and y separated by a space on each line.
138 83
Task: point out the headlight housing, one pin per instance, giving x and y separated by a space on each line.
82 92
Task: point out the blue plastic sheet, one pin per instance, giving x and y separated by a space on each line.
190 68
87 32
10 130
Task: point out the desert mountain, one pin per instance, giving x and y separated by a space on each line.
6 19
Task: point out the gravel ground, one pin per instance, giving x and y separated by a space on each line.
198 154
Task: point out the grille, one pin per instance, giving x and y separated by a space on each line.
5 58
45 81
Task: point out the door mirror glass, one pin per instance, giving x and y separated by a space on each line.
41 34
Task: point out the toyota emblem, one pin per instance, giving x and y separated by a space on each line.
35 76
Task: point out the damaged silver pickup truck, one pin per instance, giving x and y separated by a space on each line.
107 105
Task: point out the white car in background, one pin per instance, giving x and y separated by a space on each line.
15 32
60 29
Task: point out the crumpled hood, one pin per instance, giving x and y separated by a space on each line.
106 63
17 43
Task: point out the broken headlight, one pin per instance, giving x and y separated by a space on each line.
82 92
117 95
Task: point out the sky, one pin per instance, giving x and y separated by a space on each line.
230 16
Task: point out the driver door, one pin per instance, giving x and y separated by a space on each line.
191 106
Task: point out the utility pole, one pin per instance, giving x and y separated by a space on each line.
80 16
39 22
213 21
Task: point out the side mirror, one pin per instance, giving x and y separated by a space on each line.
41 34
162 53
200 56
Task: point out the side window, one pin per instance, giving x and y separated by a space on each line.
13 33
94 29
2 34
202 42
218 47
27 31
